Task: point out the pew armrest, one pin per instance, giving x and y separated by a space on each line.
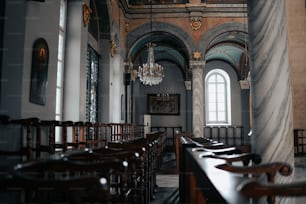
245 158
269 169
252 188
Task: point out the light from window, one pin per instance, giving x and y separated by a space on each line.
60 67
217 89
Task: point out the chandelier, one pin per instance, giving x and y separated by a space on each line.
151 73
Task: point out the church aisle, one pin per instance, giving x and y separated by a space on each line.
167 180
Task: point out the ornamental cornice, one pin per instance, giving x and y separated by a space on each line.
196 63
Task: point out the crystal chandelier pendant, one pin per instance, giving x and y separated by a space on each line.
151 73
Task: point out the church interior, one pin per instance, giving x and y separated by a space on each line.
153 101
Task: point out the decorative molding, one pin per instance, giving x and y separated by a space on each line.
196 63
244 84
179 10
196 55
187 85
196 23
86 14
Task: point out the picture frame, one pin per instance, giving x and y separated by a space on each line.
39 72
163 104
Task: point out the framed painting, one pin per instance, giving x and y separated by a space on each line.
163 104
39 72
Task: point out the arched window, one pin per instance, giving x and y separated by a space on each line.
217 98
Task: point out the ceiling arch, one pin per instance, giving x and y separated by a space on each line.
231 48
228 43
169 46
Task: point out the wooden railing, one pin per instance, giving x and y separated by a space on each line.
230 135
43 137
299 142
170 131
207 174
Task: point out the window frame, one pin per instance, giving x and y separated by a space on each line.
60 67
227 97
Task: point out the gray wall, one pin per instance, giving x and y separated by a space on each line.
173 82
25 22
12 63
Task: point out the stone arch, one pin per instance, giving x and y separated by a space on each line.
139 37
236 36
216 31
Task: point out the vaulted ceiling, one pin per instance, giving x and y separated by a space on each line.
229 47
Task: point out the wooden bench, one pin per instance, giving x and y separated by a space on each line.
134 173
160 139
102 182
147 150
87 142
214 180
208 177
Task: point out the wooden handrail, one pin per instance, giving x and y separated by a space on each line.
270 169
253 188
245 158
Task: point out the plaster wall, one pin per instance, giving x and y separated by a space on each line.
296 21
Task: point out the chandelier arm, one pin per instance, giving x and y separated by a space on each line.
151 73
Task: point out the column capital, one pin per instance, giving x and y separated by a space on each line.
196 63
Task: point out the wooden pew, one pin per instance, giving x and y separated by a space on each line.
201 178
149 157
102 182
203 146
269 169
132 159
70 190
214 180
76 137
160 139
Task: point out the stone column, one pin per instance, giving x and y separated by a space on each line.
272 127
197 98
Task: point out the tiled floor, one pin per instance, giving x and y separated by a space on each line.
168 181
300 175
168 189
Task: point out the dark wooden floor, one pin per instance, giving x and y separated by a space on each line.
167 181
